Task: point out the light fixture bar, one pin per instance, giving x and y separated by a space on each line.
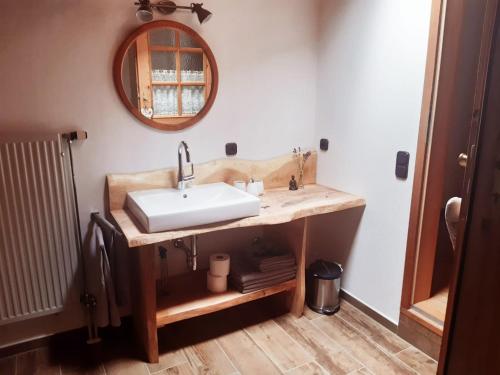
145 10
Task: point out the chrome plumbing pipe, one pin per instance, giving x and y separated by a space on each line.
191 252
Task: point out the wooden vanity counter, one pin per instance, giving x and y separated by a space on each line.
284 218
278 206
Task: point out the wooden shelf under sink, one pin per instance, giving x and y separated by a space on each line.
189 297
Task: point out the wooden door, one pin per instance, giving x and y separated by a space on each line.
472 329
451 75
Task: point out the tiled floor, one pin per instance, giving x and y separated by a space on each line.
244 340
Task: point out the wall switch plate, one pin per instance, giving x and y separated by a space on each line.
402 162
323 144
231 149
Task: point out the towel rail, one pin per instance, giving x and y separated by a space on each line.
104 223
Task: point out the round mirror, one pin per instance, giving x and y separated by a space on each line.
166 75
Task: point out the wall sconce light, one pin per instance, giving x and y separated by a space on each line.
145 11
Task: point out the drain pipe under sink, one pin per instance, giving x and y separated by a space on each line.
191 253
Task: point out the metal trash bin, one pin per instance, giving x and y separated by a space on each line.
323 287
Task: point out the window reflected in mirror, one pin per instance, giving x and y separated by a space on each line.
167 75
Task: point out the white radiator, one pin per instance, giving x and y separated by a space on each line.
38 234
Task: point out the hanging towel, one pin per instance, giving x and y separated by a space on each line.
117 251
99 281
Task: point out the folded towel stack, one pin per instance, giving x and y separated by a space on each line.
270 262
256 270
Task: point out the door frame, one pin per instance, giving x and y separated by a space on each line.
427 117
448 20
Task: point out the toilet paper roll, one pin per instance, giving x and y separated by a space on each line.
219 264
216 284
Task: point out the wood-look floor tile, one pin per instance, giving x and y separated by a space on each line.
183 369
82 370
286 344
363 371
36 362
80 362
360 347
372 329
325 352
246 355
8 365
310 314
418 361
168 359
126 366
311 368
284 351
208 358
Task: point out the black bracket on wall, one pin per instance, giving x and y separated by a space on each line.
402 161
231 149
78 135
323 144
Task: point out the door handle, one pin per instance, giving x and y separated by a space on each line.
462 160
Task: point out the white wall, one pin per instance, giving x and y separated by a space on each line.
56 75
370 81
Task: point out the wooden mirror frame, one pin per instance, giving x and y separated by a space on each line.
118 65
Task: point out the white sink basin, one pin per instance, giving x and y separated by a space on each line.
166 209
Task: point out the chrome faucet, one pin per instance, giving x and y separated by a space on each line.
181 178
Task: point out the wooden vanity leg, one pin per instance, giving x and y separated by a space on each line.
293 235
144 300
299 296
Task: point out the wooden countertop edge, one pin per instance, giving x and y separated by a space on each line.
135 237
